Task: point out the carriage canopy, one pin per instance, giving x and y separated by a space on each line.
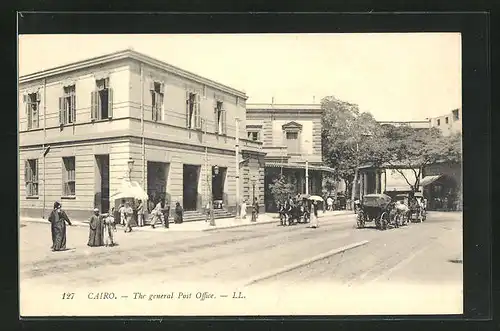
376 200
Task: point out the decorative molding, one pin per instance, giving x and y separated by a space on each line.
102 75
292 126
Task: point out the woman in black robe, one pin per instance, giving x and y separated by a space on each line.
178 213
58 220
96 230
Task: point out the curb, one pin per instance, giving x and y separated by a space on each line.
302 263
239 225
215 228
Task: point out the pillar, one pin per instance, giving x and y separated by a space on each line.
365 186
361 184
377 181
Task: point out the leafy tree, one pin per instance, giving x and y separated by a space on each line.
345 137
404 147
281 188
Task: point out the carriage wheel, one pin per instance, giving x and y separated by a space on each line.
360 221
383 221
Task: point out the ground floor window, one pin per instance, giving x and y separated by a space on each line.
69 180
31 177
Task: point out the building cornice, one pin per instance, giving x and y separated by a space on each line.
133 55
257 108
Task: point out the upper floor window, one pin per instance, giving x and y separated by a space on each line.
438 122
253 135
456 115
67 105
31 177
220 118
292 136
68 176
193 110
102 100
446 120
32 104
157 92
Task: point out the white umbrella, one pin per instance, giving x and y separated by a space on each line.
316 198
130 190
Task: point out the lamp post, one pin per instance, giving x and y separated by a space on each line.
130 164
212 219
253 194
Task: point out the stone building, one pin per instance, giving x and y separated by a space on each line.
291 137
449 123
82 125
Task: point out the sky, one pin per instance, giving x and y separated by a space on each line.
394 76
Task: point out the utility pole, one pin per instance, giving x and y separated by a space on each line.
307 177
355 181
208 178
237 163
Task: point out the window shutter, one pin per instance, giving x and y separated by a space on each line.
151 85
29 114
73 108
35 172
162 88
224 122
94 105
198 111
38 97
187 110
110 102
62 116
26 171
153 105
216 120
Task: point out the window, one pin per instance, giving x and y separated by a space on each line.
157 92
67 106
292 141
193 117
220 118
253 135
456 115
446 120
32 102
438 122
102 100
31 177
68 176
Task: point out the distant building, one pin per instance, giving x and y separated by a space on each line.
127 115
413 124
291 136
448 124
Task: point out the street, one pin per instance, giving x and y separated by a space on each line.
421 254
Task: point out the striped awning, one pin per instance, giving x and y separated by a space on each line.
298 166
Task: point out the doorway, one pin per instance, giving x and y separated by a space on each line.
190 181
218 182
101 197
157 181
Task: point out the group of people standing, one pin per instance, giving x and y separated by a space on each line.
101 229
255 210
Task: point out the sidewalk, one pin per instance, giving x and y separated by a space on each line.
225 223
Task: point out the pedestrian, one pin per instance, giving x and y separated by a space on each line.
96 229
58 220
329 202
109 229
165 210
128 217
255 210
121 210
207 211
140 214
178 213
243 210
314 215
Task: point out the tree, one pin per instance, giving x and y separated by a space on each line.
405 147
281 188
344 142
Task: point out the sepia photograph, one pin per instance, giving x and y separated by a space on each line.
240 174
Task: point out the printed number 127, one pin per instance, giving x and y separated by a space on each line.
68 296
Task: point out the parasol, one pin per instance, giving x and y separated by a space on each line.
130 190
316 198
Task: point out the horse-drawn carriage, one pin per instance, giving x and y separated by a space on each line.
375 208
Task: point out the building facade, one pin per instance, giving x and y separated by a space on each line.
82 125
291 137
413 124
450 123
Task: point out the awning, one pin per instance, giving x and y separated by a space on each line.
128 190
429 179
298 166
